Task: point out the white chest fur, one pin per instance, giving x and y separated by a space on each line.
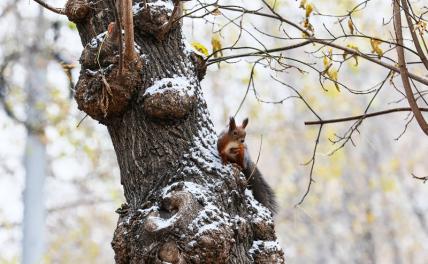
229 146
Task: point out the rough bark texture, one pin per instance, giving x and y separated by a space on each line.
183 205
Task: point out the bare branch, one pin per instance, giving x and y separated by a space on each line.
3 86
326 43
312 162
128 25
250 54
358 117
372 59
423 178
418 47
404 72
59 11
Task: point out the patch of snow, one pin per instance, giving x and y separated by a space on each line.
162 223
148 210
180 84
268 246
168 6
137 47
262 213
187 48
94 42
211 226
144 57
91 72
211 218
197 190
205 153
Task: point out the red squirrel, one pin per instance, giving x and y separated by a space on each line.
230 143
232 149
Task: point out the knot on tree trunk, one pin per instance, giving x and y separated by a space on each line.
77 10
169 98
102 90
170 253
264 252
177 211
156 19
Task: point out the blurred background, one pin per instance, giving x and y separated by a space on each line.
364 207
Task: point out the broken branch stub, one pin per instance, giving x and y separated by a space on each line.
77 10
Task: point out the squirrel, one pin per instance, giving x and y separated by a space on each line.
232 149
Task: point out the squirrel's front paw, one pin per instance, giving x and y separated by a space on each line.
236 166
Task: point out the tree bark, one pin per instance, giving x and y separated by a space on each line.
183 205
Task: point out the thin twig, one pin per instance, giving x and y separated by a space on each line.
312 161
257 160
424 178
80 122
60 11
413 33
346 119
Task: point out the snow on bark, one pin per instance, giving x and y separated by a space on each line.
179 84
161 5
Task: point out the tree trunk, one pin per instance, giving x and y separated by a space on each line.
183 205
33 238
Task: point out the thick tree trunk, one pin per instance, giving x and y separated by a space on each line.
183 205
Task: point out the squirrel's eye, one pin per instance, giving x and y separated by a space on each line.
235 133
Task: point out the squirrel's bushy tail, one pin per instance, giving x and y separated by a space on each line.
261 190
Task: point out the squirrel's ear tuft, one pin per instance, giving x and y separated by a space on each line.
245 122
232 124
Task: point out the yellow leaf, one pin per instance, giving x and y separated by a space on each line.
216 12
332 74
375 47
370 217
309 8
351 26
421 26
302 4
305 35
273 3
216 44
200 48
387 184
326 62
356 60
308 25
354 47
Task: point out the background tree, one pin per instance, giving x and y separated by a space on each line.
38 110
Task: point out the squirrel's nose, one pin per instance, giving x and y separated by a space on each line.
242 140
